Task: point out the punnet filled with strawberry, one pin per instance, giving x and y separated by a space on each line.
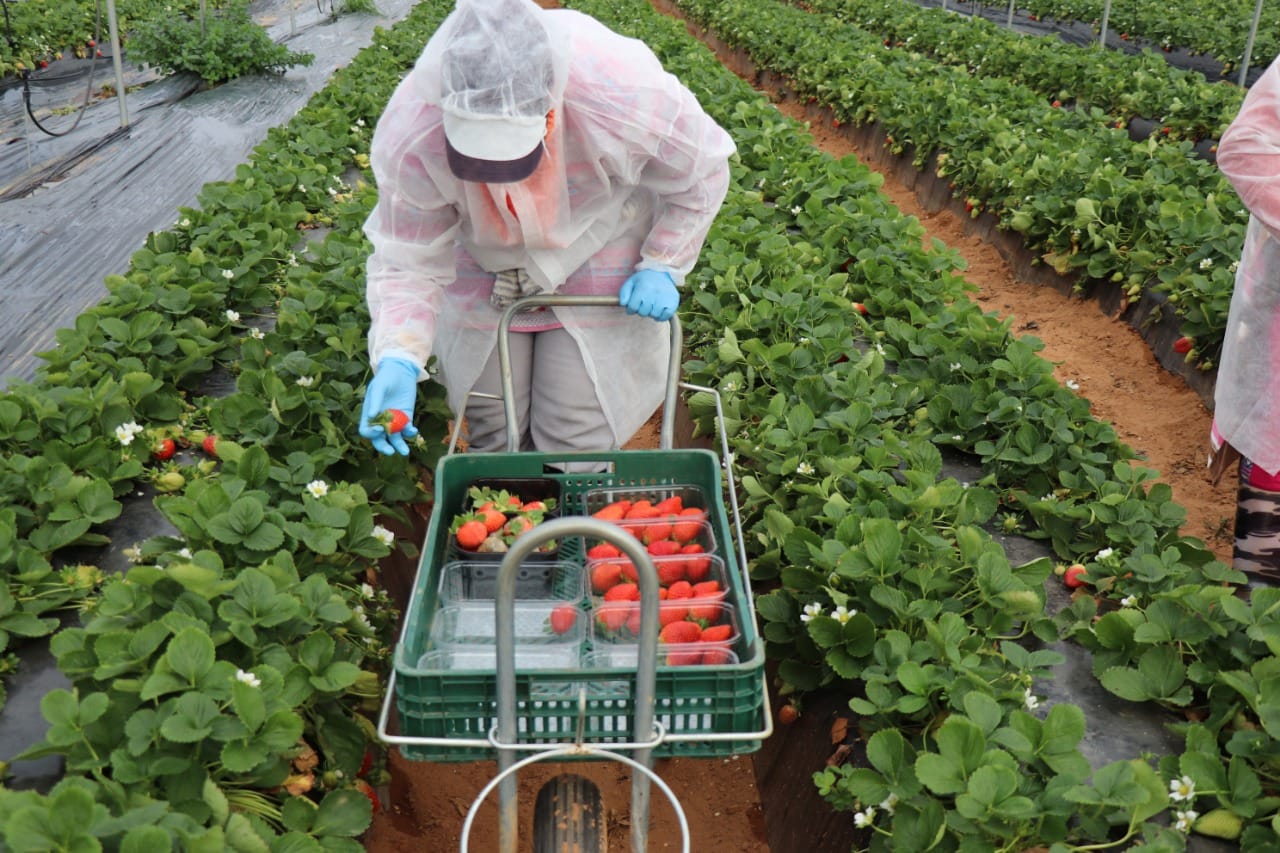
492 518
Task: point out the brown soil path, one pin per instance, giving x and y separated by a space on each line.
1151 409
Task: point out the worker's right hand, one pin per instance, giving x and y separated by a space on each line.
394 386
651 294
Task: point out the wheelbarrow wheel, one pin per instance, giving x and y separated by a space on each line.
569 816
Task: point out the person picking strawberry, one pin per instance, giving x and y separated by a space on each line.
530 151
1246 412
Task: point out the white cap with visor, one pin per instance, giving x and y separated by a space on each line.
497 76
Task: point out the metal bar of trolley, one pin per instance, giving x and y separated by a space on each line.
504 361
503 737
646 670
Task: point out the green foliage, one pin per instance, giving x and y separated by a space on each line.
227 45
220 689
884 579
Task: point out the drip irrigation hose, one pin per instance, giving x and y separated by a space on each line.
25 74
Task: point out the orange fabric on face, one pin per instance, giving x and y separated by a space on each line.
542 188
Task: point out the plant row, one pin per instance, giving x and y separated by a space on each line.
222 687
39 33
877 574
1123 86
880 576
1091 202
1220 32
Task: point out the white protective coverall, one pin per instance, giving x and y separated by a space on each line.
633 173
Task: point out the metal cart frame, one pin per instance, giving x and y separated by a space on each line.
504 735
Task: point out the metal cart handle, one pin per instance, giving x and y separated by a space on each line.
665 437
505 639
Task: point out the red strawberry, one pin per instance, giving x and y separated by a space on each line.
603 551
860 308
687 531
164 449
615 511
612 616
210 445
622 592
708 589
1183 345
669 613
640 510
629 571
788 714
706 614
669 571
471 533
680 589
663 548
605 576
494 518
1074 577
685 657
397 420
696 567
671 506
717 633
680 632
534 506
633 620
716 657
365 788
563 618
366 764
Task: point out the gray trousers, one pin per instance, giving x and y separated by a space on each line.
556 405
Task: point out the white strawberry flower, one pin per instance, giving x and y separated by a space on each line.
1182 789
383 535
1029 699
318 488
228 274
126 433
305 381
248 678
1129 601
843 614
890 802
1185 819
233 316
810 611
256 334
804 468
865 817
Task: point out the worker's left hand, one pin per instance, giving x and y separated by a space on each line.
651 294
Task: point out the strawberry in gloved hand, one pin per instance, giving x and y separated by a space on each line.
394 386
651 294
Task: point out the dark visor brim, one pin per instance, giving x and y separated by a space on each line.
492 171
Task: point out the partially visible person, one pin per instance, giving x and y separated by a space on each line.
532 151
1246 423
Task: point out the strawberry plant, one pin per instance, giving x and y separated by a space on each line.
883 580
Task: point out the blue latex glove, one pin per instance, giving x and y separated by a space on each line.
651 294
393 386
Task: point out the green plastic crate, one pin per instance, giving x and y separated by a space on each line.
726 701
